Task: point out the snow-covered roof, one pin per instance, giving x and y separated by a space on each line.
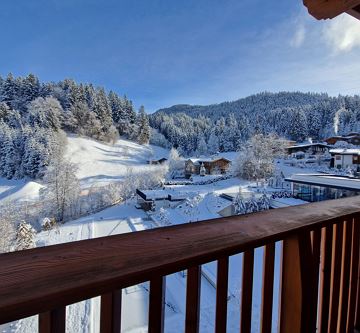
345 151
207 160
286 202
327 181
308 144
153 194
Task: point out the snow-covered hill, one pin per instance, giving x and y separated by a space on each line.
98 163
103 163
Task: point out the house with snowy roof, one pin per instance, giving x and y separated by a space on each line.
343 158
206 166
310 147
351 138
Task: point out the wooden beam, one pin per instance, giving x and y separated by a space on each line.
267 288
247 291
221 294
296 284
110 312
328 9
52 321
157 304
193 292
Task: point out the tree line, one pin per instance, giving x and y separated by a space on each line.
226 126
35 115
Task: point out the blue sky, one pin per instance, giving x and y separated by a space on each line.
169 52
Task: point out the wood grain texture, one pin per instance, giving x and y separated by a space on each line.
268 288
193 293
296 284
110 312
335 276
353 275
325 278
345 276
247 291
221 294
68 273
53 321
157 304
315 270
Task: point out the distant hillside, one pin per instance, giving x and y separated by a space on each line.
261 102
224 126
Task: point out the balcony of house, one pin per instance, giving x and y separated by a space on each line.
319 279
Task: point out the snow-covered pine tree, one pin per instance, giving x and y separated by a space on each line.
202 148
45 112
298 125
213 143
252 205
143 136
102 110
263 202
9 91
239 203
25 236
30 90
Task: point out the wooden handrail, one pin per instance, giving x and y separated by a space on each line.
39 280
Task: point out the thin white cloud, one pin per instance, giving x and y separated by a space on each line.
342 34
298 37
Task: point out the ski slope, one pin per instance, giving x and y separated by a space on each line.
101 163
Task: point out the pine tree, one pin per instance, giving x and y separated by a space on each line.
45 112
30 90
202 148
143 136
25 236
102 110
9 91
213 143
299 127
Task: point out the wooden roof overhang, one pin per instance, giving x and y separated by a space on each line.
328 9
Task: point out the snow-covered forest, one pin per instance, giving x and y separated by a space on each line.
35 115
222 127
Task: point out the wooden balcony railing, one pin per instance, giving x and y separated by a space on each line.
319 275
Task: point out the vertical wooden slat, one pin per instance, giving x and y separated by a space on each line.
296 284
52 321
357 313
345 277
157 304
193 291
110 312
247 291
221 294
325 279
353 274
267 288
315 246
335 276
